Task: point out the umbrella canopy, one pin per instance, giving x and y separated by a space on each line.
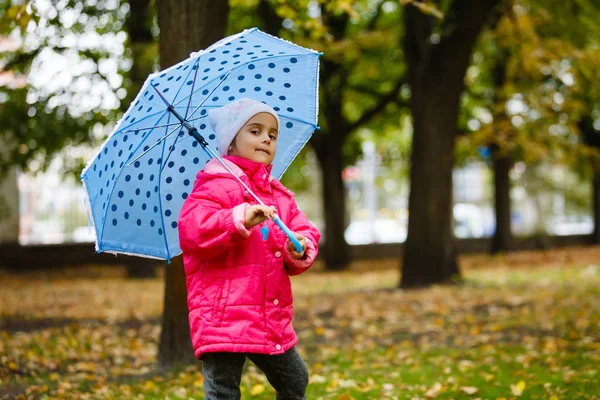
144 171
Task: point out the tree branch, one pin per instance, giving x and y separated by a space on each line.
270 20
461 27
373 21
383 101
418 28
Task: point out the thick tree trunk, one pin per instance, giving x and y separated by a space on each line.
430 250
9 207
139 43
138 26
502 162
596 189
335 252
185 26
436 73
591 137
175 346
502 235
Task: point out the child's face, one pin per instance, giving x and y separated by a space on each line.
257 140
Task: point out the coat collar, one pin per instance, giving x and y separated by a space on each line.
257 173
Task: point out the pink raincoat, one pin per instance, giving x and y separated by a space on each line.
239 290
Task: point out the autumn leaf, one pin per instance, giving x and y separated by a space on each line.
468 389
424 7
316 378
518 389
257 389
435 390
376 343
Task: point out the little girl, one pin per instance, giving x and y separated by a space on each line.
239 290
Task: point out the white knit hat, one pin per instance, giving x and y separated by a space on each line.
227 120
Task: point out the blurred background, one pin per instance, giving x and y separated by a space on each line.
70 68
458 152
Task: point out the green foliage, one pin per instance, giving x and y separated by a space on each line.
531 75
81 44
362 58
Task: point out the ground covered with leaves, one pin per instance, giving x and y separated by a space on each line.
522 326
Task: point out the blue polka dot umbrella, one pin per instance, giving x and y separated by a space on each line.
138 181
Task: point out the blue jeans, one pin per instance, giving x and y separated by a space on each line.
223 372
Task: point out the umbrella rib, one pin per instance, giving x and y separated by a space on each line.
180 118
155 144
103 220
251 61
162 220
297 119
195 74
136 122
208 95
170 152
150 127
192 90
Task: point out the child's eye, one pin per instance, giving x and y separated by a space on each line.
254 131
273 137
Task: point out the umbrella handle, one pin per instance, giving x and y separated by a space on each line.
289 233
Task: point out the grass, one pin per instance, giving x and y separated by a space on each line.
522 326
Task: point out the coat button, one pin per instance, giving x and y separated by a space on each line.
278 347
277 254
275 301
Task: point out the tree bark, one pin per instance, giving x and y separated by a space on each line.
502 237
596 198
436 74
430 255
138 26
175 345
591 138
501 161
9 207
185 26
140 39
336 251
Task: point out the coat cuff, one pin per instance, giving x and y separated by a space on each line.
239 214
298 266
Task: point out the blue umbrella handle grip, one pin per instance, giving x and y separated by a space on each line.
289 233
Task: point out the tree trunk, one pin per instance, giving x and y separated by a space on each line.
175 346
436 75
139 42
596 189
138 26
9 207
185 26
502 235
591 138
501 161
335 252
144 269
430 254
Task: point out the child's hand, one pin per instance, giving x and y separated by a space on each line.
258 213
292 248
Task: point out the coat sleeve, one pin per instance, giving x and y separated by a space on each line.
300 224
208 225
